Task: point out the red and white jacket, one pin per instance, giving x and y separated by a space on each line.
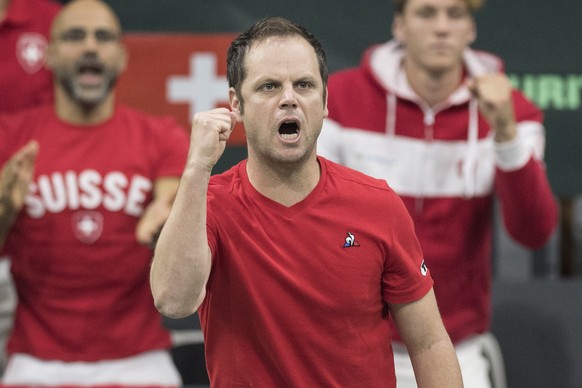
446 167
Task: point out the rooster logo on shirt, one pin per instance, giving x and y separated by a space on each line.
351 241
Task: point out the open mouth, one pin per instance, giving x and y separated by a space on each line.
90 73
289 130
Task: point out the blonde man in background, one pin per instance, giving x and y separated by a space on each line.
442 124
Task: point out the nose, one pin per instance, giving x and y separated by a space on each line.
90 43
288 97
442 22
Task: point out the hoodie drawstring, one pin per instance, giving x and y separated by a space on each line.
391 115
469 167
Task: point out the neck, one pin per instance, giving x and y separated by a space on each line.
286 184
434 87
74 113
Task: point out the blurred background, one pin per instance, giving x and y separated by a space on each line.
177 67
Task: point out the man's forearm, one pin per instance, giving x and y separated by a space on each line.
437 366
181 264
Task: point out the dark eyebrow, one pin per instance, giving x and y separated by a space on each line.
74 30
103 34
108 32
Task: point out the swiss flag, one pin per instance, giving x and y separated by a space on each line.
177 75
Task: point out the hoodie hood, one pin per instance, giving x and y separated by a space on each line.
384 63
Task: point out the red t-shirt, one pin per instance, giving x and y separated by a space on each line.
24 32
81 276
298 295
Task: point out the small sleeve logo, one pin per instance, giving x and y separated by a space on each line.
423 268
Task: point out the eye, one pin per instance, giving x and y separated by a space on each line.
304 85
425 12
73 35
268 86
106 36
457 13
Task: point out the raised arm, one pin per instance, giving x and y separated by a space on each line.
432 354
15 178
521 182
182 258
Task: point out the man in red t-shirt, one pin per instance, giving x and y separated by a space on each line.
24 82
24 32
86 184
294 262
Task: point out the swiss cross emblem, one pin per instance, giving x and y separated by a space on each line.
31 51
87 226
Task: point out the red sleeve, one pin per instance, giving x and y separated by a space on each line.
528 207
406 277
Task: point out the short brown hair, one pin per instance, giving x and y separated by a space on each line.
472 4
263 29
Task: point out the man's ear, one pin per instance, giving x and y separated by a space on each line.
472 35
398 29
235 103
325 110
